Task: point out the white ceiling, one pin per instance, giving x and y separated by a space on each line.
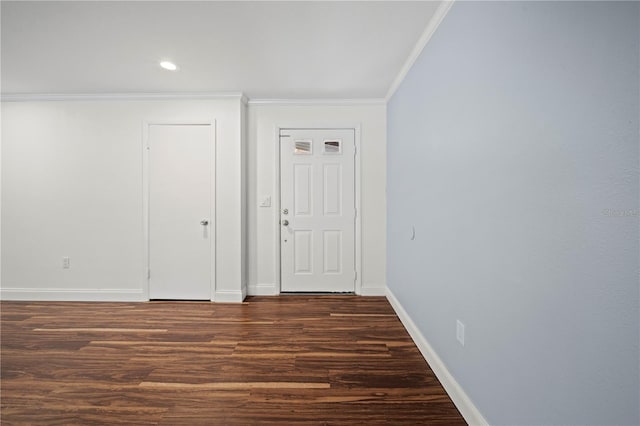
266 49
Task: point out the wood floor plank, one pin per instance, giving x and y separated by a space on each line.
288 360
237 385
103 330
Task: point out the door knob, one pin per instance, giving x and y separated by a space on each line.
204 222
285 222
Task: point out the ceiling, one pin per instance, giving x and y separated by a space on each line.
266 49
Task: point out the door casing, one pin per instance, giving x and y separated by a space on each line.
145 197
277 206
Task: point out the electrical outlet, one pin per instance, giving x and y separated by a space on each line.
66 264
460 332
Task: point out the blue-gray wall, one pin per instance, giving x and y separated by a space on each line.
513 150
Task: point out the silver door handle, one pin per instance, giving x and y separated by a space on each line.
204 222
285 222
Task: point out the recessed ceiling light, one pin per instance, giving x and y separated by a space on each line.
168 65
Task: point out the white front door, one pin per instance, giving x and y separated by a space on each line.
317 215
180 211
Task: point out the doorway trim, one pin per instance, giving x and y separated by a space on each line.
276 202
145 197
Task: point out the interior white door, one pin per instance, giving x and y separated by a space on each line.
180 211
317 216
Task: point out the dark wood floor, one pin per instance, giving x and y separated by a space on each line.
272 360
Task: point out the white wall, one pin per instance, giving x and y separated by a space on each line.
263 221
72 186
513 149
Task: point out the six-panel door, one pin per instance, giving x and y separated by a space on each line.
317 217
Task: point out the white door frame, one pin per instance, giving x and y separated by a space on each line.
276 202
145 196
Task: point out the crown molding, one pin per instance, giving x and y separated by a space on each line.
39 97
43 97
431 28
311 102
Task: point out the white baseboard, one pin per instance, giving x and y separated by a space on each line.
373 291
263 289
459 397
229 296
72 295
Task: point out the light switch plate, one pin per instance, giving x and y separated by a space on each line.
266 202
460 332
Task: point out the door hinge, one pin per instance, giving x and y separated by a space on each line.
148 273
355 275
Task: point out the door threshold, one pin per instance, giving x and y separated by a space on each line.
180 300
317 293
